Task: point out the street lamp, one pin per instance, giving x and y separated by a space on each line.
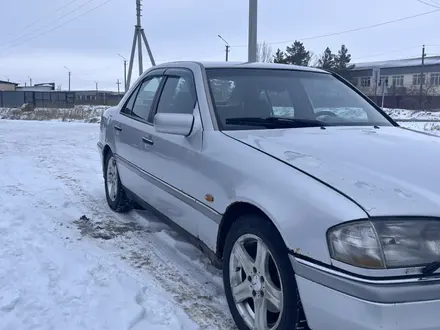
226 48
70 73
125 71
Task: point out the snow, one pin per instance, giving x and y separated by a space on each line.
69 262
402 114
80 113
429 127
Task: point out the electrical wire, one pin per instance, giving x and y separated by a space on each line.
43 17
352 30
12 42
60 25
429 4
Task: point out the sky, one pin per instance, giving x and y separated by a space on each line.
38 39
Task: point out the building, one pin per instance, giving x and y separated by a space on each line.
43 87
7 86
399 77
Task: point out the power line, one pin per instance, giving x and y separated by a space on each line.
429 4
55 20
60 25
352 30
43 17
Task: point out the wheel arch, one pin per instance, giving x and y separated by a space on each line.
232 213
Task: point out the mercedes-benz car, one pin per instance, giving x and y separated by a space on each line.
322 212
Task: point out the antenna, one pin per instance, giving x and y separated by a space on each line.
138 37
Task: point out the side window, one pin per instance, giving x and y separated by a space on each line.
178 95
129 104
144 99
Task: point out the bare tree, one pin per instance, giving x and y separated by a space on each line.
264 53
314 59
429 89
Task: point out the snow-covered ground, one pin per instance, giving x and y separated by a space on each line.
80 113
429 127
68 262
402 114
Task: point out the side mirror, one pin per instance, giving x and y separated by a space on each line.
174 123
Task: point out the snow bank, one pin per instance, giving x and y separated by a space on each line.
397 114
80 113
433 128
92 114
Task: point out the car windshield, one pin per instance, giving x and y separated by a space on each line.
266 98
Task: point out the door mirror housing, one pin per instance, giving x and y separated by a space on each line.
174 123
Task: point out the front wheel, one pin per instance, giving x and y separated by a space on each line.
258 277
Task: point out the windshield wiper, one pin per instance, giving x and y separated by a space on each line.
276 122
431 268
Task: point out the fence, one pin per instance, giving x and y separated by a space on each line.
410 102
54 99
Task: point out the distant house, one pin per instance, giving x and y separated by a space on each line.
43 87
400 77
7 86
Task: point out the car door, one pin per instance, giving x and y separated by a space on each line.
172 159
131 124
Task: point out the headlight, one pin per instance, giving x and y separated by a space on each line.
386 243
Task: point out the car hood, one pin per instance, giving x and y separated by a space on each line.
387 171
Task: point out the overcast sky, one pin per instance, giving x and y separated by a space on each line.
188 29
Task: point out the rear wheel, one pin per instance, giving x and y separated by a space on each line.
114 191
258 277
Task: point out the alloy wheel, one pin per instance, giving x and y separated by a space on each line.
112 179
255 283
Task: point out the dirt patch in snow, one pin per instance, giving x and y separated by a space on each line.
106 230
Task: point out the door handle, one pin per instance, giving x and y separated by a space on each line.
147 141
118 128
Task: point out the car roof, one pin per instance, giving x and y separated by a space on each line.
250 65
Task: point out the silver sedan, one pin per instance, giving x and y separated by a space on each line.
322 212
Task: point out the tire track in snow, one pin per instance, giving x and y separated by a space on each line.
195 288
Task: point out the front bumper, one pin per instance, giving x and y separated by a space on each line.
358 305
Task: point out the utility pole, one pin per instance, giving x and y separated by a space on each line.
118 83
139 35
125 72
253 28
96 83
227 47
7 77
70 73
422 77
30 81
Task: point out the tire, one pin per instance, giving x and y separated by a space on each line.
283 313
117 200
